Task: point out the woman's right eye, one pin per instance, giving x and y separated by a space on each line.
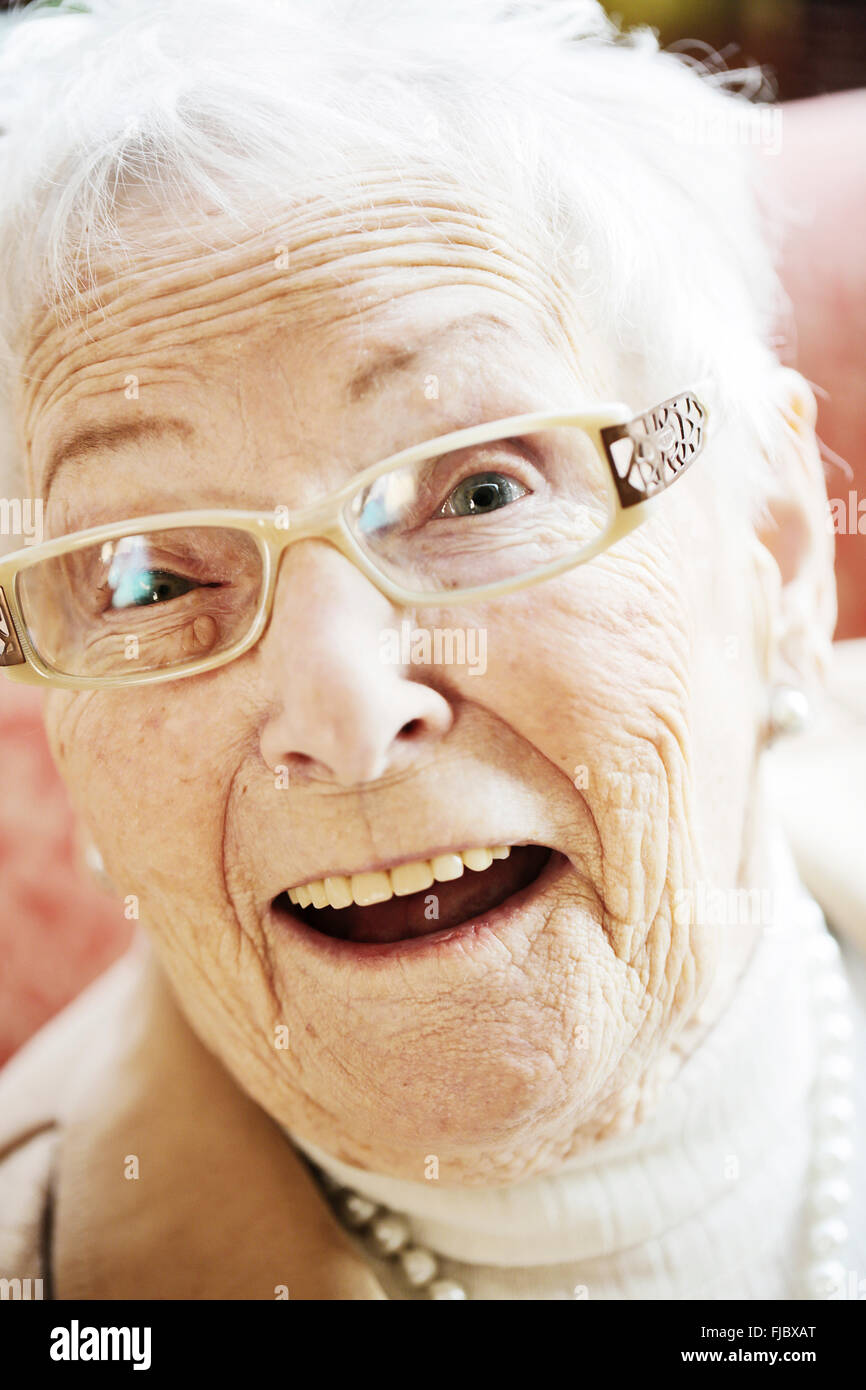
137 588
482 492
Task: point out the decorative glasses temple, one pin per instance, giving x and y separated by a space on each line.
650 452
10 652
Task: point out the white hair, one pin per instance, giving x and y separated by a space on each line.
629 175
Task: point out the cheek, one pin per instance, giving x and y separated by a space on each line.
149 771
594 671
609 674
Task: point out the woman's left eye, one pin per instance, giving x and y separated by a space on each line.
138 587
483 492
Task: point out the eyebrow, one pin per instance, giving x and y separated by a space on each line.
397 359
94 439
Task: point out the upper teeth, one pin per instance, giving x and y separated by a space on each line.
378 887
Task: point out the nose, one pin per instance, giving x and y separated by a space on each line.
339 712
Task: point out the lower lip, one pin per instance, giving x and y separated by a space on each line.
477 931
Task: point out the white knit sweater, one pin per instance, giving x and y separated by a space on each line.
704 1200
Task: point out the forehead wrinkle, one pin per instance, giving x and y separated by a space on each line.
314 238
311 234
227 281
126 315
76 371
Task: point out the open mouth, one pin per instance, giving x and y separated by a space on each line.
416 899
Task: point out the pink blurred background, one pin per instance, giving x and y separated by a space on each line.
57 929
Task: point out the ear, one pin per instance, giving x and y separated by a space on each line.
794 550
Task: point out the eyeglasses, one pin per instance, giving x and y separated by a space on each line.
468 516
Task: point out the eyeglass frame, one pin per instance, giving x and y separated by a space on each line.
658 457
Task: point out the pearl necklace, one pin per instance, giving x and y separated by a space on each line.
828 1191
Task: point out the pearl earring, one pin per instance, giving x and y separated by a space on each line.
789 712
94 862
93 859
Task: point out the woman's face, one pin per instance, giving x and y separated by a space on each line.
614 722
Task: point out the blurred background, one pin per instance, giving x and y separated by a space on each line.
807 46
58 928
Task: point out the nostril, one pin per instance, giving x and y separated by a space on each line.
412 728
300 761
300 768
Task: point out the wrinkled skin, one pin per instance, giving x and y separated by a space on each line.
647 667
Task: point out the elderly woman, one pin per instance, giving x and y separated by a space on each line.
432 545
